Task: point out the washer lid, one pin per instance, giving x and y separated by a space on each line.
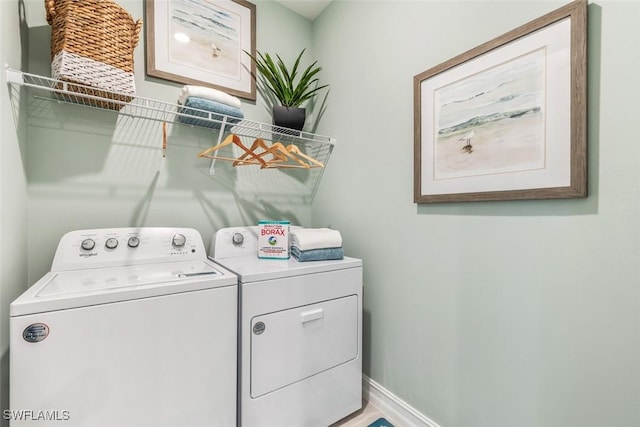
253 269
80 288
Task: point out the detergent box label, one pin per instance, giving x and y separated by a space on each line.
273 239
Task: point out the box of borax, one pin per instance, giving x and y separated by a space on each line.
273 239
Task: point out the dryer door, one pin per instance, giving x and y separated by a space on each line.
291 345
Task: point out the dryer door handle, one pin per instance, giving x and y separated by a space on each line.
308 316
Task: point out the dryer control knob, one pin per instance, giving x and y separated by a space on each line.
88 244
237 239
111 243
178 240
133 242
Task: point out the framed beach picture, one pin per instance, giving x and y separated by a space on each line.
507 119
202 42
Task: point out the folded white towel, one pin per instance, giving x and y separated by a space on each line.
307 239
210 94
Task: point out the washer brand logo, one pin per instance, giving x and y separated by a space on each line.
35 415
90 254
35 332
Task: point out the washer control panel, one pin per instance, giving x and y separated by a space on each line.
127 246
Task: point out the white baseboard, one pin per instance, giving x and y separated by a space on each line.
399 412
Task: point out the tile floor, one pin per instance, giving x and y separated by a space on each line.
362 418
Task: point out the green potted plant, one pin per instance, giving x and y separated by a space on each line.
288 89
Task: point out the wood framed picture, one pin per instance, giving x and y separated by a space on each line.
507 119
202 42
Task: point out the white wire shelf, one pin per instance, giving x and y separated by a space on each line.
252 180
317 146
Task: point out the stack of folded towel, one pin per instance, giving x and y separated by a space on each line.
316 244
193 99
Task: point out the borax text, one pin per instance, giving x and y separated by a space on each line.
267 231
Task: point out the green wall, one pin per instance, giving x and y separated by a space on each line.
13 196
495 314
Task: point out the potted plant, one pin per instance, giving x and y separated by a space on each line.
290 93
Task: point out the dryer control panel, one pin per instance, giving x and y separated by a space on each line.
107 247
233 242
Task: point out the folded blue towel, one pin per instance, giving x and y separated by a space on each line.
317 254
193 106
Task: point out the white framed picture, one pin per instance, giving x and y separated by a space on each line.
203 42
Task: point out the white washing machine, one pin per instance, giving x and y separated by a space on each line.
132 327
300 334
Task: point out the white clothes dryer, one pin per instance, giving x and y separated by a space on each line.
131 327
300 334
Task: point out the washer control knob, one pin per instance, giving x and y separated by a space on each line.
133 242
237 239
111 243
88 244
178 240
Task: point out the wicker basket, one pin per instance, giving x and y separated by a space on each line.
92 43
